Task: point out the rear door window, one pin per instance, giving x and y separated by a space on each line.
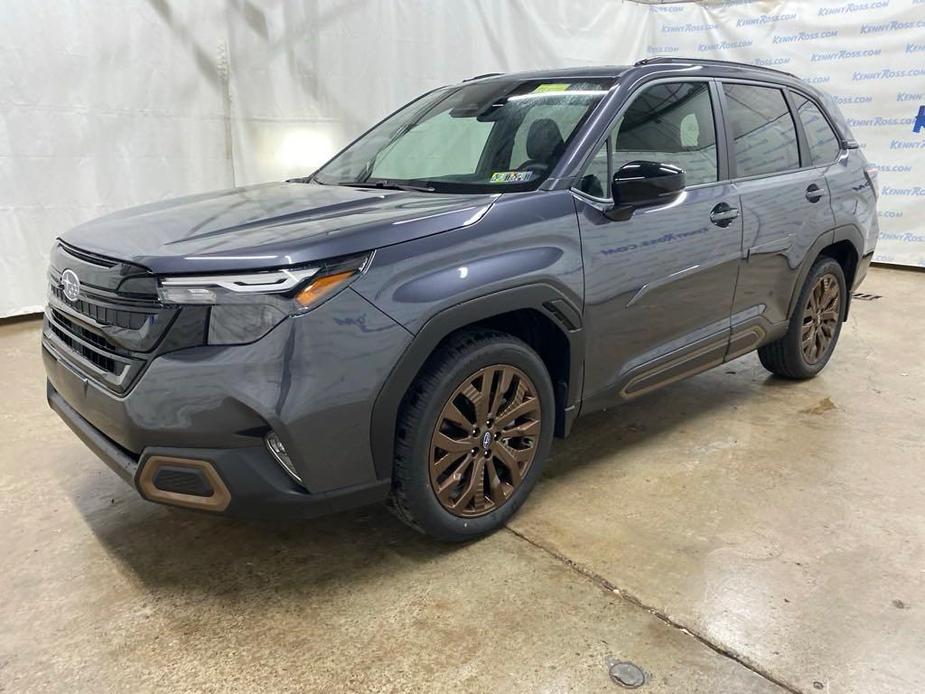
765 136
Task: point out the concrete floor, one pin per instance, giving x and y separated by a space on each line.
732 533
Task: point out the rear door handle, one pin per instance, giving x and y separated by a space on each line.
814 193
724 214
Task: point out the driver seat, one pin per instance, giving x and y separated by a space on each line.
544 143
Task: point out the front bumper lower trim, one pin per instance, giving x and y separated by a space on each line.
117 458
246 482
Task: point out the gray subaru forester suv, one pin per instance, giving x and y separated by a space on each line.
417 319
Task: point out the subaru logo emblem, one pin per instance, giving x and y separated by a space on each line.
70 285
486 440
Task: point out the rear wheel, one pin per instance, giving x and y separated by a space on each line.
814 326
473 435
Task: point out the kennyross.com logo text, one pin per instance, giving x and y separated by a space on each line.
854 7
919 123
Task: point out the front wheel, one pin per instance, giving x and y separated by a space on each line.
473 435
814 326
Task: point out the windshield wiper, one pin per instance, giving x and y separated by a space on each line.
386 185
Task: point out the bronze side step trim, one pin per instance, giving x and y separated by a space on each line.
673 370
745 342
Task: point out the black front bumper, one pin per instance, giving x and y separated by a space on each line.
258 487
121 461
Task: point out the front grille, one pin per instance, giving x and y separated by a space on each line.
87 348
130 320
107 364
106 334
95 339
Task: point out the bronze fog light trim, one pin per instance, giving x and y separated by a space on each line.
217 501
484 441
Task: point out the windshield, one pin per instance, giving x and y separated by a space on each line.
493 136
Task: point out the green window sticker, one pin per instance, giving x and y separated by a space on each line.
511 176
551 87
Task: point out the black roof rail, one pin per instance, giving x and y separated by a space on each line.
720 63
487 74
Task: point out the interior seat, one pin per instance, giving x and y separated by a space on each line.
544 144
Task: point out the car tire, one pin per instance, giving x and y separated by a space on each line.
483 379
814 326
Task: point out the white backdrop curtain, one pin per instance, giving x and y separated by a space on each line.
106 104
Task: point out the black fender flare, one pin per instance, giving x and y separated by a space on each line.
547 299
847 232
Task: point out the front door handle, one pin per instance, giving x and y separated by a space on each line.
814 193
723 215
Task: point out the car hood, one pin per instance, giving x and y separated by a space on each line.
271 225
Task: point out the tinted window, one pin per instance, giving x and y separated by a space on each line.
765 136
823 143
670 124
667 123
596 178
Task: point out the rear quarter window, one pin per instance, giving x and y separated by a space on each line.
823 142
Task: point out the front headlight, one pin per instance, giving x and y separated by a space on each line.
246 306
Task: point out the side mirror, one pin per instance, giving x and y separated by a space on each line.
644 184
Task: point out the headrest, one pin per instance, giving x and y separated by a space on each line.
544 141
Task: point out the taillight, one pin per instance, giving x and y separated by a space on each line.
872 173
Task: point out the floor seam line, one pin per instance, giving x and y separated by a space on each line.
612 589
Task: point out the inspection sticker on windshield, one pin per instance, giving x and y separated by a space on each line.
552 87
511 176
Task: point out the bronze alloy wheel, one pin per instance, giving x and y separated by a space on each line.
820 318
485 441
